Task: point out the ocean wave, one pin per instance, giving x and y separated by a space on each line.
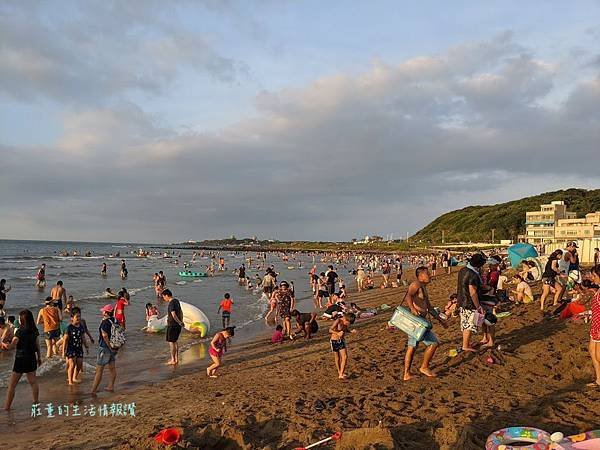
48 366
30 277
134 291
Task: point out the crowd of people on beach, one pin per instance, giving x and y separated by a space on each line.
483 289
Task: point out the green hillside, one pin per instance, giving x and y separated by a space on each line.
474 223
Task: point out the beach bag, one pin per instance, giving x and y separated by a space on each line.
117 335
414 326
477 319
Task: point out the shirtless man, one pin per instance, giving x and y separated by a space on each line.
58 294
417 300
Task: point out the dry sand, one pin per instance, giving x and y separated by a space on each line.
265 396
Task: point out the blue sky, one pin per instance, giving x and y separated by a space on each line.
93 86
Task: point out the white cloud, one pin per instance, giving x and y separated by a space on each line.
343 155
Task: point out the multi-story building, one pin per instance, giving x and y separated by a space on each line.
587 227
540 225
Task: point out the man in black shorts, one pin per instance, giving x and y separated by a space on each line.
174 325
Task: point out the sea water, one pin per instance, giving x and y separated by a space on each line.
142 358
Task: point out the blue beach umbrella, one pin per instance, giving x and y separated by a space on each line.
519 252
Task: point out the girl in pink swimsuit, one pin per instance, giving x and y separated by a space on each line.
218 346
595 328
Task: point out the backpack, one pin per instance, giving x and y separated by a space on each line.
117 335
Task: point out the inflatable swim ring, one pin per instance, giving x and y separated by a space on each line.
502 439
189 273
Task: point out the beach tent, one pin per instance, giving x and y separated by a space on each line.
519 252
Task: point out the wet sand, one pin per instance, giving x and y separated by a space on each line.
265 395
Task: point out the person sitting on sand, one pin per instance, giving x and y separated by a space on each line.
523 293
338 331
417 300
218 346
369 283
277 337
530 272
334 308
307 323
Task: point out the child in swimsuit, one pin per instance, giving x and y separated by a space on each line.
218 346
338 343
151 310
74 341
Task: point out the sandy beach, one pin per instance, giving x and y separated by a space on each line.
265 397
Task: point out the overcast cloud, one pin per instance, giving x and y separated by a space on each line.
380 150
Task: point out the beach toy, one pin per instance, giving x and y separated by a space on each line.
168 436
189 273
452 353
336 437
156 325
502 439
589 440
500 315
194 320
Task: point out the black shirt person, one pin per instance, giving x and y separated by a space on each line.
174 325
332 276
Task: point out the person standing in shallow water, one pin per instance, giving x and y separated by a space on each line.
27 357
123 269
106 354
174 325
58 294
41 277
51 317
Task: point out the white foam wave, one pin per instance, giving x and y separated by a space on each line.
134 291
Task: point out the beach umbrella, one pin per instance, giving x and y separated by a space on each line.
519 252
